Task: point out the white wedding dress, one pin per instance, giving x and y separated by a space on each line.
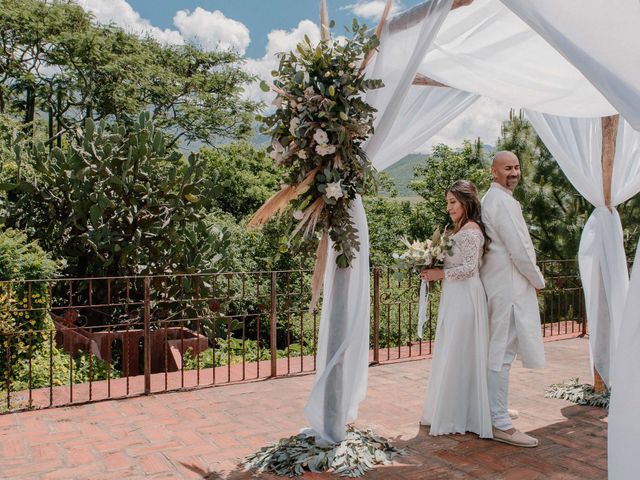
457 396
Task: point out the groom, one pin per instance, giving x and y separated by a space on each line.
511 279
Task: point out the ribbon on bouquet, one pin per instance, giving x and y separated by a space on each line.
422 310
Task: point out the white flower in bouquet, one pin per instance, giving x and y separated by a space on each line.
321 137
334 190
298 215
293 126
417 245
417 254
324 149
309 92
277 151
302 154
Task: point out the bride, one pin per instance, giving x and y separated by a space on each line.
457 397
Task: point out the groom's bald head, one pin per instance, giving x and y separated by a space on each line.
505 169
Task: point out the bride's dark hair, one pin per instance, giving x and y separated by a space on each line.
467 194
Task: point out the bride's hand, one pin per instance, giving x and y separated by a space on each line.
432 274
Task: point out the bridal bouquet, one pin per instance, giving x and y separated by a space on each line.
425 254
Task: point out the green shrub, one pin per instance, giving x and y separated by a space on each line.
23 305
115 201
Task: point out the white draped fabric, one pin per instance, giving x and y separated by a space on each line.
601 39
624 414
576 144
341 376
486 49
343 342
425 111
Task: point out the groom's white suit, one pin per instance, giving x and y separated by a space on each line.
510 277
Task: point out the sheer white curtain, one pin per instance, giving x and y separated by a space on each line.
486 49
624 414
425 111
576 143
600 39
341 377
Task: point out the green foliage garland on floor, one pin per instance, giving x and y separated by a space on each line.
358 453
579 393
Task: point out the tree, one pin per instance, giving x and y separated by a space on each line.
115 202
440 170
244 178
59 66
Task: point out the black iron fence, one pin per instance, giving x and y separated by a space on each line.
65 341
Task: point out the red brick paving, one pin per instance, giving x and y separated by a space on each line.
204 433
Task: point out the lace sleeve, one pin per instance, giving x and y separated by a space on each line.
470 244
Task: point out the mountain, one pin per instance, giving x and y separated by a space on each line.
401 172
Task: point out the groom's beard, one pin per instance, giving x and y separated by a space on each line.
512 182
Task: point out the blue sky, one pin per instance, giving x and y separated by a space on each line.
259 29
261 16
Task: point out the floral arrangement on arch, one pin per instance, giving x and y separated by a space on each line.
317 131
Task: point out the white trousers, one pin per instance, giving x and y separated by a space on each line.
498 382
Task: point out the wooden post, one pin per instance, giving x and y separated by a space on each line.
383 19
609 134
324 21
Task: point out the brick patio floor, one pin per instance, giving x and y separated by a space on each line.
204 433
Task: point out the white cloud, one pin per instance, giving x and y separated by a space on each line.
123 15
212 30
483 119
370 8
278 41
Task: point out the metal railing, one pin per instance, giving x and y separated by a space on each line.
75 340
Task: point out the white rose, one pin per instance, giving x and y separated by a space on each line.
334 190
298 215
321 136
325 149
302 154
277 151
293 126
